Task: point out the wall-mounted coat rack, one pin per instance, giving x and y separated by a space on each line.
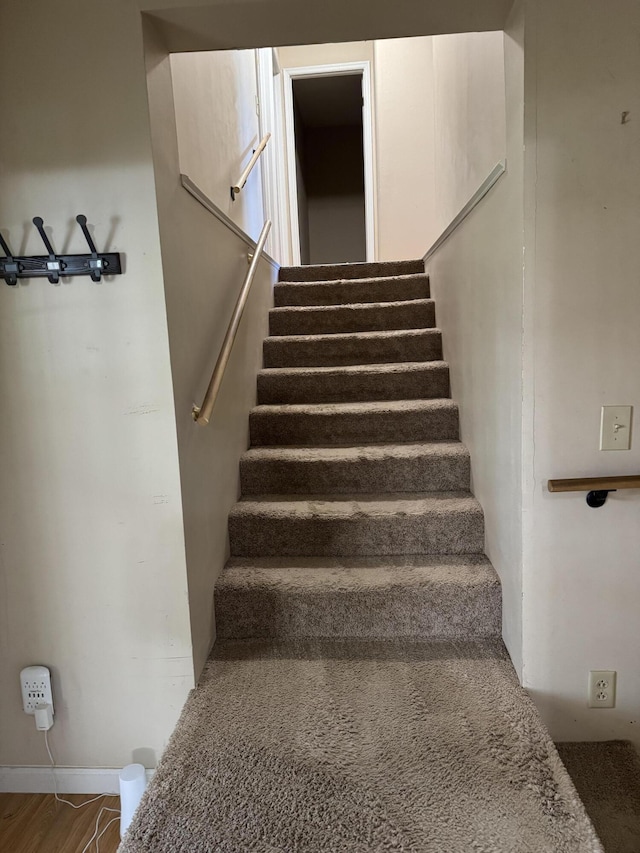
52 266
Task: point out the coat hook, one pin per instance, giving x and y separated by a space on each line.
53 265
11 266
95 263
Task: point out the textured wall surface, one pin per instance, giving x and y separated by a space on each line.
476 278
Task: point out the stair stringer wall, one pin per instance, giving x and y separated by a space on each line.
477 283
204 264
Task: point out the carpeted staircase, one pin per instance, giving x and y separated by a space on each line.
356 518
359 697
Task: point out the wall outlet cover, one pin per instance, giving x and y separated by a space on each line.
602 688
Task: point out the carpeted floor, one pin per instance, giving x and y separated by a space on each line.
411 746
359 697
607 777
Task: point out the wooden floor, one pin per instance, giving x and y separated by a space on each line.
36 823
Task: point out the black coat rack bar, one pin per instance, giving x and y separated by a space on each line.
53 266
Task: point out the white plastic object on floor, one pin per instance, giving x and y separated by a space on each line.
133 782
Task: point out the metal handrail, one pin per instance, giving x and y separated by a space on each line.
598 488
202 414
235 189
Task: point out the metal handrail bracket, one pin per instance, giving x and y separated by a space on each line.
235 189
202 414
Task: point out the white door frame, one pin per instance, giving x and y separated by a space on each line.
273 167
338 69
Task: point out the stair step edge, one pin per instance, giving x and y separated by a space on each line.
381 450
348 270
356 505
348 306
389 367
362 407
360 336
400 279
288 581
478 560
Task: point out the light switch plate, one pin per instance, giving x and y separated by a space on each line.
615 428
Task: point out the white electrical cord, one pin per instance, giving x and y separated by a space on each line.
95 837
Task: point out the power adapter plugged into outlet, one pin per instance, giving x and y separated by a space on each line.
44 718
37 698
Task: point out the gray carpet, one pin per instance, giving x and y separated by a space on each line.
391 346
441 466
379 289
323 424
342 272
607 777
401 746
359 317
359 697
444 596
354 383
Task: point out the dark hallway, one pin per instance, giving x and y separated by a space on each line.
330 168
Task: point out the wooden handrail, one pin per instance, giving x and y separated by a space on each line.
235 189
202 414
595 484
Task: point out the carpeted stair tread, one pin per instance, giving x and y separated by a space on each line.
401 745
401 381
333 272
375 597
430 466
354 423
394 345
356 317
356 525
382 289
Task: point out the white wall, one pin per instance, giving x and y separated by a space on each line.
582 349
324 54
469 115
92 557
93 546
309 55
476 279
431 95
211 25
405 154
204 266
92 542
217 123
402 111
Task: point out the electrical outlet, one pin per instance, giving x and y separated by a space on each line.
35 682
602 688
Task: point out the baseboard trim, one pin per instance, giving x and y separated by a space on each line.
69 780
